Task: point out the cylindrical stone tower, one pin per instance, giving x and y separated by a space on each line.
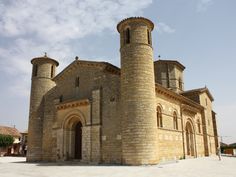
42 73
139 123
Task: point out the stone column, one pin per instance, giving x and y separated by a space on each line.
86 143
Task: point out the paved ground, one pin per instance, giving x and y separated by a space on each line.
201 167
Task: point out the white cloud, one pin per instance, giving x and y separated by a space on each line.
203 5
63 20
30 27
164 28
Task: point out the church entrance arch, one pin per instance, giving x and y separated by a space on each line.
72 138
189 139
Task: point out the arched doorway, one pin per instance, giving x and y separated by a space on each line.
78 141
72 138
189 139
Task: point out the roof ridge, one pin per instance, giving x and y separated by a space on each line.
196 89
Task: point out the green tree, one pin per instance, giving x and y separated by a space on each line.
6 140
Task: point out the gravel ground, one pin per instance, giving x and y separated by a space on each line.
200 167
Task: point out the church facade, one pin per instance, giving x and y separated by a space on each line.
95 112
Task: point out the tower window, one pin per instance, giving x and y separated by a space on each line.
77 82
199 126
52 71
149 36
35 70
127 36
180 84
175 121
61 98
159 117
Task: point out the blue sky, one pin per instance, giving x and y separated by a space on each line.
198 33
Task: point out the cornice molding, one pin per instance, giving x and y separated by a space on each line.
175 96
72 104
189 109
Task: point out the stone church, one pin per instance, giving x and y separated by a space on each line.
95 112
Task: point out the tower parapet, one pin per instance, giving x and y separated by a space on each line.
139 123
43 71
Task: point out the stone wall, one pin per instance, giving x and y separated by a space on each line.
111 120
171 141
79 81
170 145
101 117
207 103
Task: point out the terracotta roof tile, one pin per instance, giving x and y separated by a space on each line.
9 131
